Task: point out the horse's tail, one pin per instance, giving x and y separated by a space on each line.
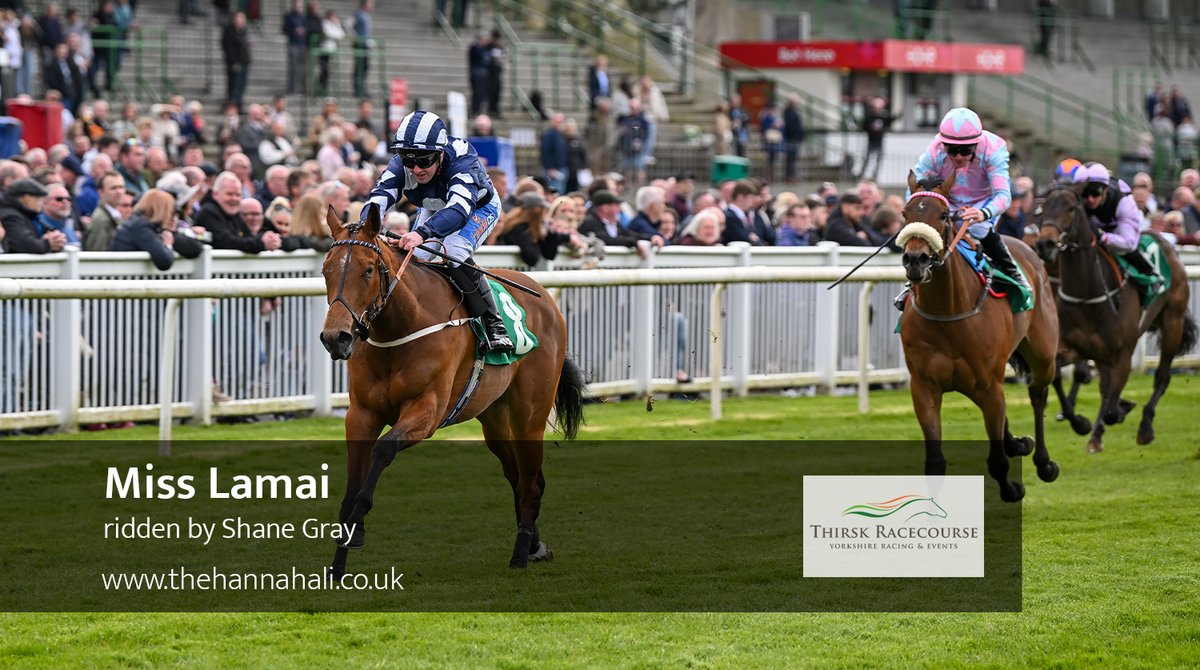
1188 342
568 401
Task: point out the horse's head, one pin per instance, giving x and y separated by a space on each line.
927 229
1062 225
357 282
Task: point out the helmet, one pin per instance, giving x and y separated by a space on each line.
1066 169
420 131
1091 173
960 126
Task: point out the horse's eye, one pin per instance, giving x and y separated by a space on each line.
370 270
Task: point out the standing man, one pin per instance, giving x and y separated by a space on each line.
495 74
598 82
793 137
876 121
362 45
235 43
479 65
296 33
555 160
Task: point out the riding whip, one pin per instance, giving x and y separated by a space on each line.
864 261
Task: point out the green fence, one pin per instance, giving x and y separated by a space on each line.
139 46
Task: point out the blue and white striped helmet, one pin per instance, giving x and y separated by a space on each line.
420 131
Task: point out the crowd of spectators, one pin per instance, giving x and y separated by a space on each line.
1173 129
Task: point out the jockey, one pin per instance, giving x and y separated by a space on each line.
459 206
977 160
1109 203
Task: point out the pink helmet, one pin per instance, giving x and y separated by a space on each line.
1094 172
960 126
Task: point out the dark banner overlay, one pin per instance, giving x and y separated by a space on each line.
634 526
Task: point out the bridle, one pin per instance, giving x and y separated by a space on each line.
1066 244
362 324
939 259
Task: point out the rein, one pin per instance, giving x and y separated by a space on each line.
943 259
362 324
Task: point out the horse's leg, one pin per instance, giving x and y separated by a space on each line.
927 404
991 402
1039 391
415 424
362 429
1107 399
1170 340
1081 375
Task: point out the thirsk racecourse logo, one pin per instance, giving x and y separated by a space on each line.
910 504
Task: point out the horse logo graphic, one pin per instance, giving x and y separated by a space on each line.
913 505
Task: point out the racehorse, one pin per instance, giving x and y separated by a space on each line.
409 362
956 339
1101 314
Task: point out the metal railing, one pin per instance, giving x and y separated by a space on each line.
120 47
343 59
1173 42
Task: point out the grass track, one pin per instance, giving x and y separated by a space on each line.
1110 571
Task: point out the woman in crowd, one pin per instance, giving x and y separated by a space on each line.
308 223
704 230
525 226
151 228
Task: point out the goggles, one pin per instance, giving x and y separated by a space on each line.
420 159
960 149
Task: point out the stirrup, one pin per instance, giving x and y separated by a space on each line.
902 299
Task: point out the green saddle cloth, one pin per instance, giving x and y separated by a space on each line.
513 315
1152 250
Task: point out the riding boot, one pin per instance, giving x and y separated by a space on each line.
997 253
477 297
901 300
1144 266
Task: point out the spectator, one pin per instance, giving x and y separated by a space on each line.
651 202
221 217
621 98
151 228
308 223
336 195
793 137
191 128
235 44
771 127
1154 101
62 74
722 129
495 73
600 132
631 142
554 158
739 122
279 215
51 28
331 34
12 35
655 111
58 214
885 225
845 223
598 82
479 68
104 27
89 190
577 158
274 185
704 230
330 155
1180 108
739 224
796 229
126 126
603 222
275 150
362 45
156 164
107 215
877 120
19 209
524 227
130 162
166 131
1044 15
1185 142
239 165
295 29
668 226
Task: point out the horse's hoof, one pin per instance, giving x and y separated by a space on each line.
543 553
357 539
335 573
1018 492
1048 472
1021 446
1145 435
1094 447
1080 425
1125 406
518 563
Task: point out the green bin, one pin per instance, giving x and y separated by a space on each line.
729 167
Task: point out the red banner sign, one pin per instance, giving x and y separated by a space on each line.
896 55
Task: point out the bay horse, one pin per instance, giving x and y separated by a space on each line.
1101 315
957 339
404 375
